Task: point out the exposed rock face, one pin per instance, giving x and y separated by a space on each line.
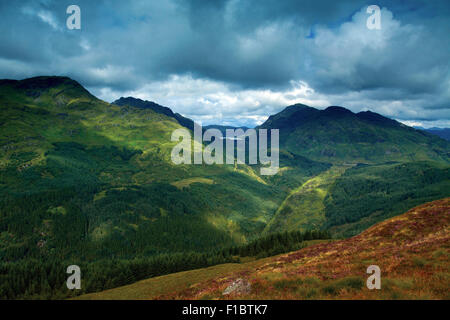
239 286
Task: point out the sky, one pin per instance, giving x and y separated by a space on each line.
235 62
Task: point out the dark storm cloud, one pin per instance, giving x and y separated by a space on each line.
251 49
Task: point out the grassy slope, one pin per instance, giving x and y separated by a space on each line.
304 209
412 250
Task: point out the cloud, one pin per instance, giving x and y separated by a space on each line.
48 17
239 61
209 101
427 124
44 15
399 56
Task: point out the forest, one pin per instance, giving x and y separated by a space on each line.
39 278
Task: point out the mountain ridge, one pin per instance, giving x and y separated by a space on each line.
338 135
35 86
144 104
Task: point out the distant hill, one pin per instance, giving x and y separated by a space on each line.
185 122
444 133
223 129
338 135
411 251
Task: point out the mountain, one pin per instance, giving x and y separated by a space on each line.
338 135
411 251
95 180
57 137
444 133
380 168
143 104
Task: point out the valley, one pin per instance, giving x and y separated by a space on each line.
304 208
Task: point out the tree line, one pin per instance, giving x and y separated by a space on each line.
46 278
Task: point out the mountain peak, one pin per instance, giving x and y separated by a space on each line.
36 86
296 108
337 134
290 116
337 110
45 82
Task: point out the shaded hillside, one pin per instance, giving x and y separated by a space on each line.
367 194
444 133
143 104
338 135
412 251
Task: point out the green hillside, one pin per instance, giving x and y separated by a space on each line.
304 208
348 199
365 195
91 179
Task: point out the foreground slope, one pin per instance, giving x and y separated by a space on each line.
412 251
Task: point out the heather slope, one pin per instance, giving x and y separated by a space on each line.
412 251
